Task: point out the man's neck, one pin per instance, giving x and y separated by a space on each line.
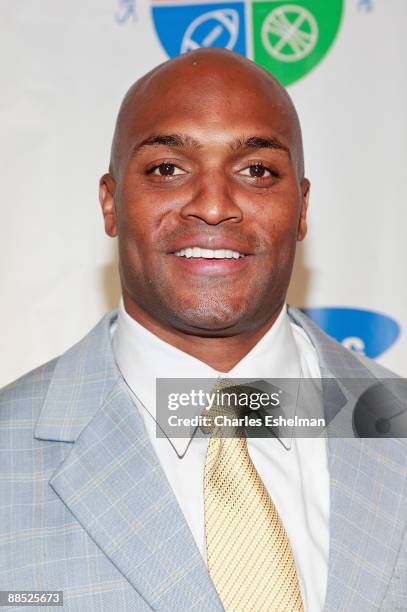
221 353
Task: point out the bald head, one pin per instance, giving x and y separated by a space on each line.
209 78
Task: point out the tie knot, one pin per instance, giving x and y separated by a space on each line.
231 403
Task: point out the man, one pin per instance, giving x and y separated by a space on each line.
207 196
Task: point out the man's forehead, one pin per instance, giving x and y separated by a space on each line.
211 89
208 111
206 78
213 80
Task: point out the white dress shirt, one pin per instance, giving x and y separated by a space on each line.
297 479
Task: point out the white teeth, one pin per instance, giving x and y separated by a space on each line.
209 253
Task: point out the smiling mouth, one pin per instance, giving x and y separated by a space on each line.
198 252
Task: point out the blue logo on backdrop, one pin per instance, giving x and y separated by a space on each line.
126 10
367 5
363 331
185 28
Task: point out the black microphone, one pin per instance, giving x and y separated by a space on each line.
381 410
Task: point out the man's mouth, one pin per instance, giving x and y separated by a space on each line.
197 260
198 252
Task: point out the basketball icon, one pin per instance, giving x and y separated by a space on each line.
289 33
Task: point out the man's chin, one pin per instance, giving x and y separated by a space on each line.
204 320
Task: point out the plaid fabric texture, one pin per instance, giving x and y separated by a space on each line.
85 506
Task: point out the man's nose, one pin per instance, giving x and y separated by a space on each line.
212 200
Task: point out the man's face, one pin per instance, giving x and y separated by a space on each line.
208 202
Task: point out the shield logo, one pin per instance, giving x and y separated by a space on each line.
287 38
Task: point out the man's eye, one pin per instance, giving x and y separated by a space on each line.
166 169
256 171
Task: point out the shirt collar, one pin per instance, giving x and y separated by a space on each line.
142 357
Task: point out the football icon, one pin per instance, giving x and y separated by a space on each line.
215 28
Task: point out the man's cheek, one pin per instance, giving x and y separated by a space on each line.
131 255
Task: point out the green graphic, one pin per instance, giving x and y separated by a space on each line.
290 39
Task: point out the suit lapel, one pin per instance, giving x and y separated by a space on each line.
368 502
113 483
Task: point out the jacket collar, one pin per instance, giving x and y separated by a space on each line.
85 374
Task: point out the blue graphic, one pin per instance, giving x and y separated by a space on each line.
367 5
126 10
363 331
185 28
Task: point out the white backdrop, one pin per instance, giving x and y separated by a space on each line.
64 68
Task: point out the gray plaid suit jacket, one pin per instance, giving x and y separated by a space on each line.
85 506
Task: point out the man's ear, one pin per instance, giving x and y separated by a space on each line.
107 188
302 225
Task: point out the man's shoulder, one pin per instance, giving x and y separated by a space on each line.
32 385
20 405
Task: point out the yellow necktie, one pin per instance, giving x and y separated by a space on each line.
249 555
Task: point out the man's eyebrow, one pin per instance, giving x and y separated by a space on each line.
259 142
167 140
183 141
